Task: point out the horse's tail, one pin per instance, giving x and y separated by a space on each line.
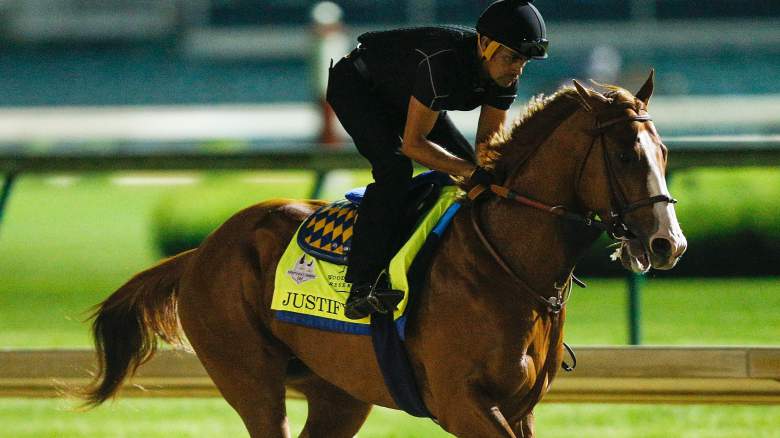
125 324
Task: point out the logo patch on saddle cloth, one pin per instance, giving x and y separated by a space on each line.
327 233
311 292
302 271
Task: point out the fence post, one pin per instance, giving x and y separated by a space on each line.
635 308
319 183
6 193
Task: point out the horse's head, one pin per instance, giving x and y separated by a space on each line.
622 178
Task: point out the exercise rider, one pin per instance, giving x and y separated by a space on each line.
391 94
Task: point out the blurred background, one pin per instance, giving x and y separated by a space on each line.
221 78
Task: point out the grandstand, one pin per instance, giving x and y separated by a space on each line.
200 52
126 58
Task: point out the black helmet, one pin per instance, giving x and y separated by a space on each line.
516 24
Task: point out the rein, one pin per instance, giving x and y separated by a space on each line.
553 304
558 210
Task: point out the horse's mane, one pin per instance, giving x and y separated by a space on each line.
542 115
506 149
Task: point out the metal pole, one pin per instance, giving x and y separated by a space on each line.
331 43
635 308
6 193
319 183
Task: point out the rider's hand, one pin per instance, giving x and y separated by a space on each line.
482 176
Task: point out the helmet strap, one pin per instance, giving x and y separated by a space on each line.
490 50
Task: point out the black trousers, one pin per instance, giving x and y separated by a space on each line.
377 130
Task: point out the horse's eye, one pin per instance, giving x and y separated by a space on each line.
625 157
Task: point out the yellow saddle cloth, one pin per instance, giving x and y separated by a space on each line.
312 292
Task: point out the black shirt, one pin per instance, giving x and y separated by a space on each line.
437 65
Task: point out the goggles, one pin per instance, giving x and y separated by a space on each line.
529 49
533 49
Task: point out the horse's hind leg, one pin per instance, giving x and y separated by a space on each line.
332 412
247 365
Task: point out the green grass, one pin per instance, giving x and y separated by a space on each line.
165 418
732 311
64 248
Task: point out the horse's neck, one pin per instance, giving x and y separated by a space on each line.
540 247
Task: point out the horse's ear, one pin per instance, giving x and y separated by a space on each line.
646 91
589 98
584 96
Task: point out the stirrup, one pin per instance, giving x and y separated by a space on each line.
361 307
384 299
379 299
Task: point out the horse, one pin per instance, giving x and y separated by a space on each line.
485 339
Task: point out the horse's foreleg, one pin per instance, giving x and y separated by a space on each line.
473 415
525 426
332 412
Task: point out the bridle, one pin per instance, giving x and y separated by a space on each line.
614 225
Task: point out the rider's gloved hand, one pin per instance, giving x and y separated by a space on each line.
482 176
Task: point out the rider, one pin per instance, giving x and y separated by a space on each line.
391 94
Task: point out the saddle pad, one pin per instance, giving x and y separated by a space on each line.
327 233
312 292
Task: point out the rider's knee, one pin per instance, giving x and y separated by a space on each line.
395 170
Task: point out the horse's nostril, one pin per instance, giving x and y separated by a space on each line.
661 246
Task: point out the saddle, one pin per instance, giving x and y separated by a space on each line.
310 287
327 233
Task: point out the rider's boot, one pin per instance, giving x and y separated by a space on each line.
358 305
366 298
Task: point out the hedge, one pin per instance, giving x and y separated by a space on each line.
729 216
188 214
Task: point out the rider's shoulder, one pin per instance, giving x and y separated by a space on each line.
424 38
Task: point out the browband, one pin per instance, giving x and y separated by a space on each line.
638 118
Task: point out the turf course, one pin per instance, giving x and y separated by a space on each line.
198 418
67 242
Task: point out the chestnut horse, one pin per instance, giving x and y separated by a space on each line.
485 339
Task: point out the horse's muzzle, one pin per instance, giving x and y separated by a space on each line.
666 251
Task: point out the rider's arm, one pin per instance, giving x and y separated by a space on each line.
491 120
419 122
492 116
